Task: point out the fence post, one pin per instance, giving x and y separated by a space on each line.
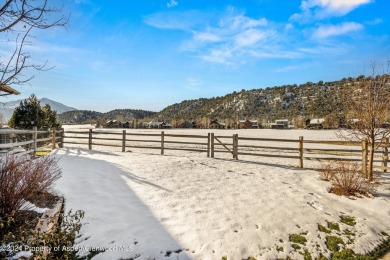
162 142
364 158
385 151
212 145
35 138
124 141
208 145
90 139
235 146
62 138
301 152
53 138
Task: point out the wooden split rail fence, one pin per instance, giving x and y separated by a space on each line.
299 149
28 142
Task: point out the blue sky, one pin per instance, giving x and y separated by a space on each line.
150 54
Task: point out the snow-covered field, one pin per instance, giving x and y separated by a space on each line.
183 205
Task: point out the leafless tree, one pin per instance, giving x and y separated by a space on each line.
367 103
18 20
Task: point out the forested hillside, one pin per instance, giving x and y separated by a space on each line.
87 116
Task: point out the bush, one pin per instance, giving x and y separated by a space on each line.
58 243
326 172
21 181
347 179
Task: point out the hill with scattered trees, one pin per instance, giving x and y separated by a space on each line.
88 116
310 100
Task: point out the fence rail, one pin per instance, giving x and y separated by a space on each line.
28 142
299 149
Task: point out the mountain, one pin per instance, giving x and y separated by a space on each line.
88 116
60 108
7 108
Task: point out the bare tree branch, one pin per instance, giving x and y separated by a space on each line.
18 18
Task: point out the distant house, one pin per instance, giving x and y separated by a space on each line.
187 124
354 123
166 125
127 124
280 124
216 125
158 125
316 123
247 124
153 124
113 124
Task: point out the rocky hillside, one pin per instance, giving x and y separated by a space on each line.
289 101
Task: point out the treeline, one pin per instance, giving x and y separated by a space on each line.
92 117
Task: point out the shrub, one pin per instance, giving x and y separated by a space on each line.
26 236
63 237
21 180
326 172
347 179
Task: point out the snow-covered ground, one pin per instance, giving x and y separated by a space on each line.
183 205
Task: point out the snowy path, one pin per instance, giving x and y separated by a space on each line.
205 208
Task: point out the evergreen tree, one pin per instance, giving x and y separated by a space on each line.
49 117
30 113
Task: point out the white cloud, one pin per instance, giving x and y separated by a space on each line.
219 55
172 3
251 37
275 53
233 38
335 30
340 7
230 37
288 68
319 9
193 83
206 37
374 22
288 26
185 21
223 38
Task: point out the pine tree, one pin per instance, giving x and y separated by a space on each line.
30 113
